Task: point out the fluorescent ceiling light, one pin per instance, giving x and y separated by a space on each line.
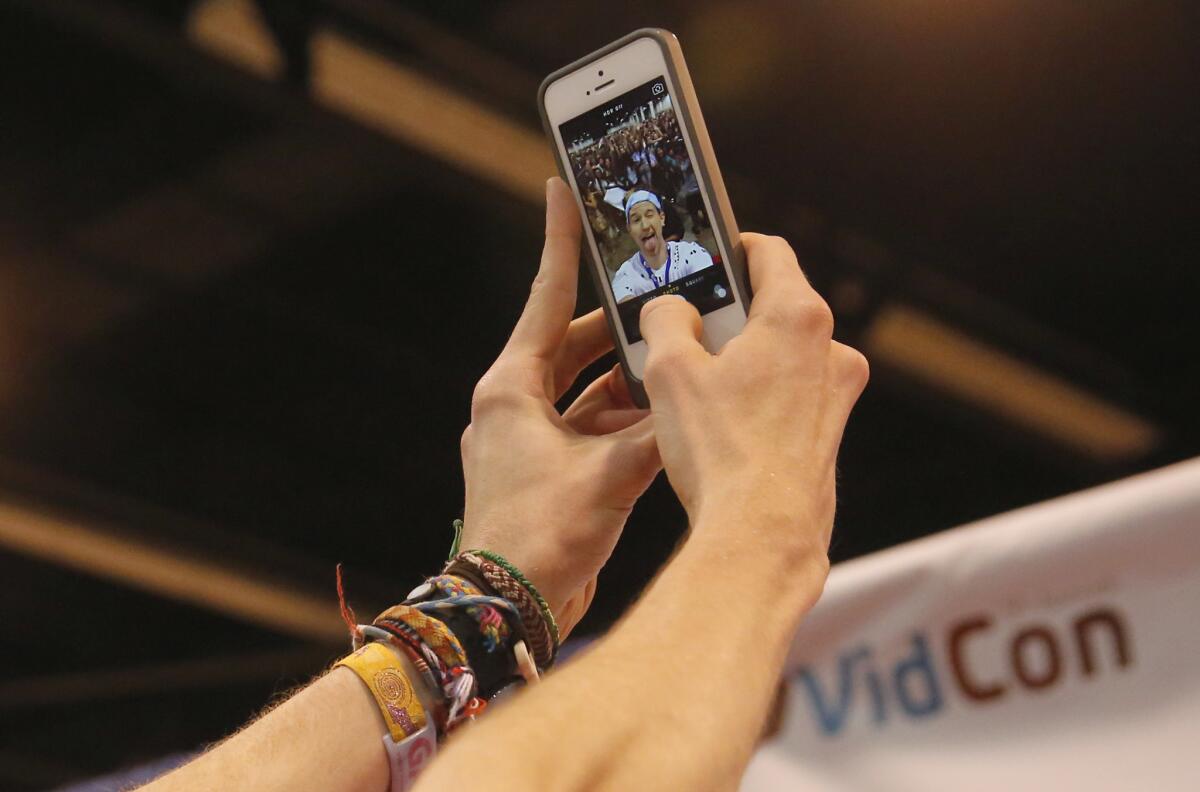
167 573
388 97
234 30
949 360
427 115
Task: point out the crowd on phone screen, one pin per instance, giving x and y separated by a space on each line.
645 155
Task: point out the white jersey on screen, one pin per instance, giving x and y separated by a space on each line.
635 277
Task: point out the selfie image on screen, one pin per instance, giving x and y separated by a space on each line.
644 206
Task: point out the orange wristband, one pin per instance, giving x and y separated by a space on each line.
381 671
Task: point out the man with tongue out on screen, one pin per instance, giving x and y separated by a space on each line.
657 263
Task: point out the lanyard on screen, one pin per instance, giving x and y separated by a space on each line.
650 273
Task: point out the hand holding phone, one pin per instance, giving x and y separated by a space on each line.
750 436
551 493
632 145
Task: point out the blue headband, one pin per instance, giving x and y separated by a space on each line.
636 197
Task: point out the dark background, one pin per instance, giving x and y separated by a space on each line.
240 325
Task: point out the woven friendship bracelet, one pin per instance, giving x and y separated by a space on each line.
453 586
433 632
543 645
502 583
488 613
458 684
498 623
494 617
547 614
455 684
490 628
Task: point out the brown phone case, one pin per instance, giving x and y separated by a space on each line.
688 108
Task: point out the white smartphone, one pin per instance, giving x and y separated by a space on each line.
631 143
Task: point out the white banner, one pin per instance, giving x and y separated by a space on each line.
1056 647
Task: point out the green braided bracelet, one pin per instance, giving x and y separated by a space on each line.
503 563
458 530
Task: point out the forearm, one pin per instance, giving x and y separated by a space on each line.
328 737
693 666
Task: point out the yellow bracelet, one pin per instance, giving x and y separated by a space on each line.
381 671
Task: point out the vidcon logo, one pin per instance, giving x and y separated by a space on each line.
1034 657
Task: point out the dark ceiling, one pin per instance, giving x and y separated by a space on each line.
239 326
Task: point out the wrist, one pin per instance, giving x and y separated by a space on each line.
713 588
762 551
787 518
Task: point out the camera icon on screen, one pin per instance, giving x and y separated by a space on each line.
657 89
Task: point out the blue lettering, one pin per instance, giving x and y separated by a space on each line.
918 668
832 716
914 678
878 707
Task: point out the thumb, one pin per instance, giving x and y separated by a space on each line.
672 327
637 448
671 319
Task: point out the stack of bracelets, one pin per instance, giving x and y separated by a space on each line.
469 632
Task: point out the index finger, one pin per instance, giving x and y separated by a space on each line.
780 288
543 323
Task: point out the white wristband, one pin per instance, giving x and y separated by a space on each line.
410 756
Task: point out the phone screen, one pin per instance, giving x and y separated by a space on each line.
645 210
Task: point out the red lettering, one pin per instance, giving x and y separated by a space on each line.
1116 628
1053 662
970 688
1035 654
